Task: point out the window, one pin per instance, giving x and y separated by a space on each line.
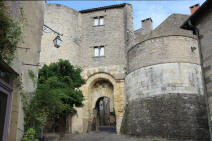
101 21
96 51
99 51
98 21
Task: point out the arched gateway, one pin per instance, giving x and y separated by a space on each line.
103 104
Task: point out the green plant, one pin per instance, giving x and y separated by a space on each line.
56 94
11 30
18 82
32 76
29 135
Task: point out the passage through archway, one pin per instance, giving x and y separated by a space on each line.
104 115
102 95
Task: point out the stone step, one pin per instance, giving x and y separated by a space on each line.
66 137
51 137
109 129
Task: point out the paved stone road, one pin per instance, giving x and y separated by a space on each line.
100 136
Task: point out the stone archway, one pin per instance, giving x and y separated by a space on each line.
99 85
101 91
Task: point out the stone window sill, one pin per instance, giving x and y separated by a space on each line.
98 25
98 57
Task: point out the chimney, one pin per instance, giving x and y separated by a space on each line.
146 25
194 8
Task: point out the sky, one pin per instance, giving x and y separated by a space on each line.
158 10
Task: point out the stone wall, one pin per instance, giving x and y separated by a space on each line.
162 79
65 21
164 92
110 35
167 117
32 31
82 121
205 30
162 50
80 37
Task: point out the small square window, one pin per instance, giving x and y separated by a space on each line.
98 21
99 51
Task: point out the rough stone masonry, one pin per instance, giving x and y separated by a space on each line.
155 77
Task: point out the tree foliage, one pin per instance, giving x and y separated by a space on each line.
56 95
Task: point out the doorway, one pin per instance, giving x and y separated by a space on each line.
3 107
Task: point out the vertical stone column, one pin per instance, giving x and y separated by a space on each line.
119 102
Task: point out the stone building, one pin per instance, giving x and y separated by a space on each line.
95 40
152 77
200 23
27 56
164 86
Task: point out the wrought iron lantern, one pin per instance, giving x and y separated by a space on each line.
57 41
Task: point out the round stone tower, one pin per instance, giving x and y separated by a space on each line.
163 86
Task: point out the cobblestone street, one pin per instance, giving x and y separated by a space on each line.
100 136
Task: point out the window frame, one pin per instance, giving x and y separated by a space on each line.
100 21
99 49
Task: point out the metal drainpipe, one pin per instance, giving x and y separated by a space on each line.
196 31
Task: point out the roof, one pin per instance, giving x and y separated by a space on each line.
169 27
5 67
193 19
102 8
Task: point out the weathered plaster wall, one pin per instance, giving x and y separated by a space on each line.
205 29
162 79
33 13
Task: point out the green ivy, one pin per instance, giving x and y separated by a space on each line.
11 30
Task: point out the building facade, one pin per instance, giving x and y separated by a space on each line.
152 77
94 40
200 23
164 85
26 58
